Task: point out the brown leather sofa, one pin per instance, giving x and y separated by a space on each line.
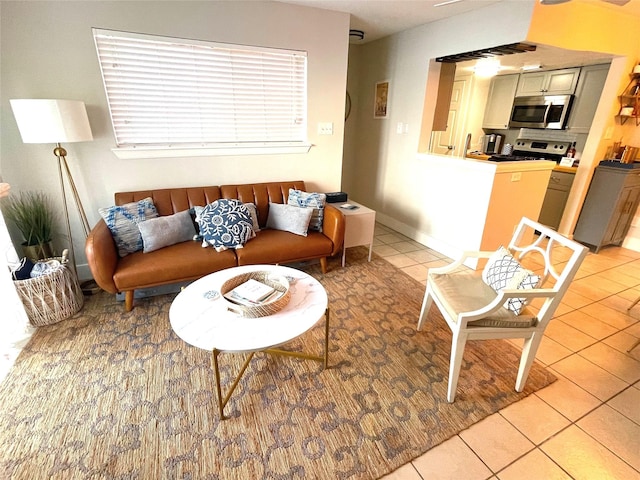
189 260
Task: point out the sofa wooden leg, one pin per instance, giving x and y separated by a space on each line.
323 264
128 300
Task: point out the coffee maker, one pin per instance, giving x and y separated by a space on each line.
492 143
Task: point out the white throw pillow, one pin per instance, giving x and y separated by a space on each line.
289 218
503 271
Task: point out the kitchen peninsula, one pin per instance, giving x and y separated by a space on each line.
472 204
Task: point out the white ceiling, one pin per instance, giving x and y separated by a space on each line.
381 18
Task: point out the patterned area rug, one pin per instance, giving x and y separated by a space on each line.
109 394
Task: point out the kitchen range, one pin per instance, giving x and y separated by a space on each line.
534 150
560 182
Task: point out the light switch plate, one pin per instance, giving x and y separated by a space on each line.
325 128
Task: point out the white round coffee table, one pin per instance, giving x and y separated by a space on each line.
200 316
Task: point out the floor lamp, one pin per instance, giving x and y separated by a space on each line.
56 121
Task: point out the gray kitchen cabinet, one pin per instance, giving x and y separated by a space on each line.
609 208
500 101
555 199
551 82
588 93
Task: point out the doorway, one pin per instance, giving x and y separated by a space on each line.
451 141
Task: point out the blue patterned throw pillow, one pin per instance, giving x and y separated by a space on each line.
503 271
225 223
123 222
299 198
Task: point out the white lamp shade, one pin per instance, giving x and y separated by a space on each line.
52 121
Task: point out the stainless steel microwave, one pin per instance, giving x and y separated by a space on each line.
544 111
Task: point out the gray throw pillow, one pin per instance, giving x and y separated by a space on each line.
123 220
168 230
289 218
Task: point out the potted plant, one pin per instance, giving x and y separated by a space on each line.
33 214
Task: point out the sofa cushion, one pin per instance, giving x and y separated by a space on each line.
279 247
123 220
175 263
225 223
316 201
289 218
503 271
161 232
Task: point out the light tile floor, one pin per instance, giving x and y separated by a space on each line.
586 425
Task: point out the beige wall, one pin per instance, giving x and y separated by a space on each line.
47 51
384 171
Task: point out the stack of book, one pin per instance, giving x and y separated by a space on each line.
252 292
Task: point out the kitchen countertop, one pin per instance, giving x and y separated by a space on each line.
557 168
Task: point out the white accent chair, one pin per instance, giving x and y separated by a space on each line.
474 311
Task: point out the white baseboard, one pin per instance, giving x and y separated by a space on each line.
423 238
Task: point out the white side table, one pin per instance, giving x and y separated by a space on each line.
359 226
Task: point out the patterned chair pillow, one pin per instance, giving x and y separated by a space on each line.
123 221
503 271
299 198
226 223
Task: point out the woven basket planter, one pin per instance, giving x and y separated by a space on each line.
50 298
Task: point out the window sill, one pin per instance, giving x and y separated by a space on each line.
127 153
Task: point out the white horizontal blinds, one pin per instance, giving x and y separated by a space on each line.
165 91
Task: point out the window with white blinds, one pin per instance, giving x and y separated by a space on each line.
177 93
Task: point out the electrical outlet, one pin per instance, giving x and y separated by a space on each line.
516 176
608 133
399 127
325 128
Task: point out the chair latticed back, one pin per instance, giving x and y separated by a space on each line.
561 259
514 296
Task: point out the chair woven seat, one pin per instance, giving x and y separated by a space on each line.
466 292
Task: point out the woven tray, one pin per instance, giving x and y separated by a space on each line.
50 298
262 310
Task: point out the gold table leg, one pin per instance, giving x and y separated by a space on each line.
222 402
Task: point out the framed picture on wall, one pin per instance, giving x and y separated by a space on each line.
381 99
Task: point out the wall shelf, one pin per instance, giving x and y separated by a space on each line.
630 99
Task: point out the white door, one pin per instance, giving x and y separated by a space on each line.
450 141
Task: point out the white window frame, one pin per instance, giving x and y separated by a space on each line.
167 96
